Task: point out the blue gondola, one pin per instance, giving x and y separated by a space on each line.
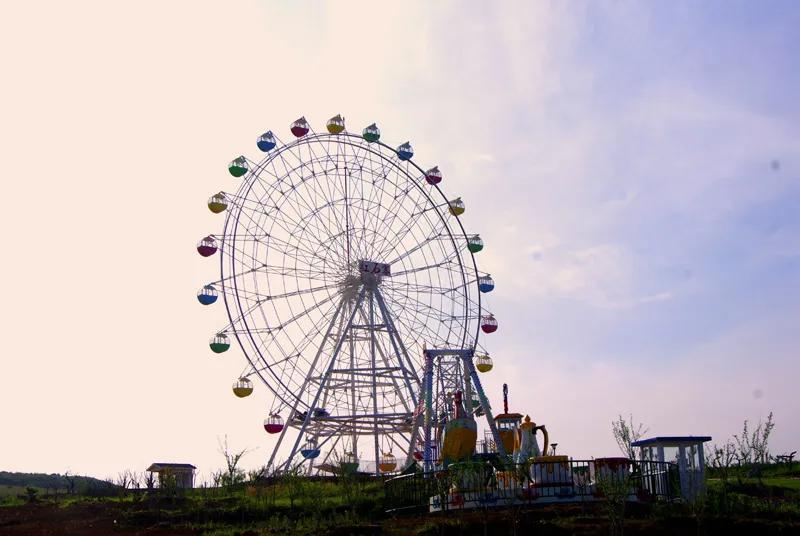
207 295
405 152
485 283
266 142
309 454
310 450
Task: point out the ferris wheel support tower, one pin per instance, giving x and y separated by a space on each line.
365 318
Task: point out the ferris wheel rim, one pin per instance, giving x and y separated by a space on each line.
456 235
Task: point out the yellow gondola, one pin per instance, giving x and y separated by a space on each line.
217 203
483 363
456 207
335 124
243 387
388 463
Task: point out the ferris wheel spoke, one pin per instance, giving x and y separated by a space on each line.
274 269
237 202
333 194
400 192
437 226
391 214
418 288
422 308
290 230
420 197
288 222
312 219
382 173
292 359
392 235
428 267
305 312
267 269
407 243
329 160
294 169
432 288
270 237
419 246
417 305
428 327
376 192
301 292
235 321
293 251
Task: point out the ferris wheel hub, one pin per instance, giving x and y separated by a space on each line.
350 286
373 272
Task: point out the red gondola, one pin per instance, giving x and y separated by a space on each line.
433 176
273 424
300 127
489 324
207 246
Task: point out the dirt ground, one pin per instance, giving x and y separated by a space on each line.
88 519
94 519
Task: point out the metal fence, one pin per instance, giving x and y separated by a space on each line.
497 483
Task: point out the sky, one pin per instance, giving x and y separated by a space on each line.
633 167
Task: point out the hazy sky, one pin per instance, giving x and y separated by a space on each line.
633 167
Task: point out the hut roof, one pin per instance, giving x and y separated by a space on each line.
158 466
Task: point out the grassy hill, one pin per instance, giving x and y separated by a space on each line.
15 483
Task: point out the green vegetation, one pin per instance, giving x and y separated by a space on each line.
22 488
353 504
746 490
68 483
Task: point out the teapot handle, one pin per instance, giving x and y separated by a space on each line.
546 439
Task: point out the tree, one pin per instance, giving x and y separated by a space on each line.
754 446
294 484
257 475
31 494
233 474
136 479
720 459
70 479
149 480
123 479
614 488
627 432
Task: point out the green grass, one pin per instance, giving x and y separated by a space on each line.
11 491
792 483
7 491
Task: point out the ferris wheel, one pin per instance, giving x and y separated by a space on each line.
341 261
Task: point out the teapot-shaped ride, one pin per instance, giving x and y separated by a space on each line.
525 444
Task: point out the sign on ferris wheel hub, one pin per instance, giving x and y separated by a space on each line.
375 268
335 334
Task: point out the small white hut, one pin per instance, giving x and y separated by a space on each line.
183 473
684 451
